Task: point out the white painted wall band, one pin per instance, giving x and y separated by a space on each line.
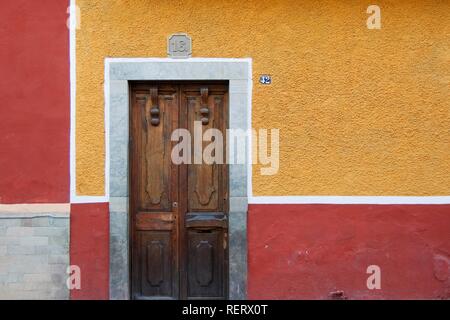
73 92
382 200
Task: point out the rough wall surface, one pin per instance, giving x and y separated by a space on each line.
361 112
313 251
34 256
34 101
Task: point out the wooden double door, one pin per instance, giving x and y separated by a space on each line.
179 220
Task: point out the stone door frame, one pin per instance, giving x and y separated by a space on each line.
118 73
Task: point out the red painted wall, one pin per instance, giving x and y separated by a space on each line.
310 251
89 249
34 101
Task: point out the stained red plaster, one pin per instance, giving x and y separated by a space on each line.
311 251
89 249
34 101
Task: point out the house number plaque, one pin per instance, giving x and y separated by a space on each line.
179 45
265 79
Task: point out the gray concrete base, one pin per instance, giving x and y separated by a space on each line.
119 244
238 255
34 256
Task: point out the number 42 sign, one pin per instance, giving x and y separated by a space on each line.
265 79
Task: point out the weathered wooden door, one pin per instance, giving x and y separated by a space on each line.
178 222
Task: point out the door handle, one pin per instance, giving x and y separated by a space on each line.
175 204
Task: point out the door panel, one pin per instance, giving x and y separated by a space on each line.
156 169
205 263
204 181
154 179
178 213
207 197
155 264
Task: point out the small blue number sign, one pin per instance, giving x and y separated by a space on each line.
265 79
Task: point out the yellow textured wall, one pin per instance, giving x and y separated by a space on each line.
360 112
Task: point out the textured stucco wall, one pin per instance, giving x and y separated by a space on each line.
361 112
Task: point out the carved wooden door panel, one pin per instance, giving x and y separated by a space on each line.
178 212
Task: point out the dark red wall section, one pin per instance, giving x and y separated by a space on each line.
34 101
89 249
311 251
